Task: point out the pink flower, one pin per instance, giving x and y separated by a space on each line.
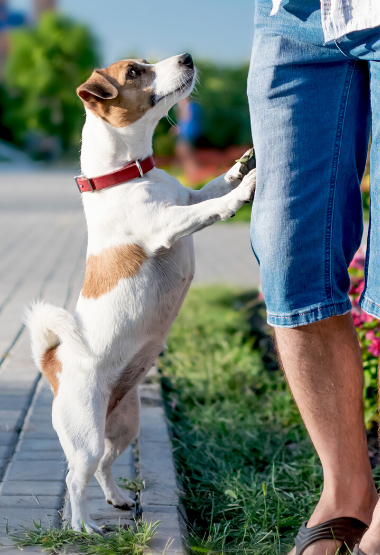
370 335
354 302
367 318
359 316
374 348
360 287
357 319
358 261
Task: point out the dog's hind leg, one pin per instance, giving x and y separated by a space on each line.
122 427
79 420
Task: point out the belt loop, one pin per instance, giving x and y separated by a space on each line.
88 181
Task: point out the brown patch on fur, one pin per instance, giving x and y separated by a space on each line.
117 97
50 366
103 271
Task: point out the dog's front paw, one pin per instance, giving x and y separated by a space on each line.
246 190
243 193
242 167
247 163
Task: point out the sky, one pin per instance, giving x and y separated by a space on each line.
217 30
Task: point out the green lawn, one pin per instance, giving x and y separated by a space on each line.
250 475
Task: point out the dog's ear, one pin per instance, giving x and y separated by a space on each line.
96 88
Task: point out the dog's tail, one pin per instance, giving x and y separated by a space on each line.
49 326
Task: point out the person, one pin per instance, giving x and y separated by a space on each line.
314 96
188 131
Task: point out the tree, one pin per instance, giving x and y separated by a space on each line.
45 65
223 97
221 93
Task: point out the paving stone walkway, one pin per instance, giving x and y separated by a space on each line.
42 253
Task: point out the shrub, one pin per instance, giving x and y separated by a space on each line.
368 329
45 65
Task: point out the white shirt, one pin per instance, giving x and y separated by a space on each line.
340 17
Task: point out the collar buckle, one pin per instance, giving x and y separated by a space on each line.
88 181
139 168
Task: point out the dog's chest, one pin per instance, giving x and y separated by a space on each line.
130 293
143 305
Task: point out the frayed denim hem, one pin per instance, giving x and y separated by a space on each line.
309 316
369 307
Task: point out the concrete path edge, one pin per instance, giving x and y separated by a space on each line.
160 500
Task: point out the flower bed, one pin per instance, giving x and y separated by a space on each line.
368 329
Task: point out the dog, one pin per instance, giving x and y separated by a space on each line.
140 264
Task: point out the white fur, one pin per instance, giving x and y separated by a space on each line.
49 325
126 327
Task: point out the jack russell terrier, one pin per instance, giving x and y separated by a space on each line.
140 264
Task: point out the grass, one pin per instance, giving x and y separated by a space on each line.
135 485
250 475
121 540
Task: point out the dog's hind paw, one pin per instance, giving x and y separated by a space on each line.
124 507
123 502
89 526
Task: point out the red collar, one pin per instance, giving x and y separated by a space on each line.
126 173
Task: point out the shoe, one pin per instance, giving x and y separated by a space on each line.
345 529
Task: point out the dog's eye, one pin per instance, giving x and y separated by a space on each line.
132 73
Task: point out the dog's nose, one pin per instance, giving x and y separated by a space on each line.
186 60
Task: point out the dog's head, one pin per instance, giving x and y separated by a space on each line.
124 92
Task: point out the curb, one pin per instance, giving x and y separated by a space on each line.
159 499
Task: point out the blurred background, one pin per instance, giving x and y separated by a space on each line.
49 47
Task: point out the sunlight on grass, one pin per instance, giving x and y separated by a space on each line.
249 473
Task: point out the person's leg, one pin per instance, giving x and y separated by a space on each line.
306 103
322 363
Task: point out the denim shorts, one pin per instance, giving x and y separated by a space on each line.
313 106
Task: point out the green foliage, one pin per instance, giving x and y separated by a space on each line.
116 539
45 65
365 200
163 141
223 97
249 472
135 485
